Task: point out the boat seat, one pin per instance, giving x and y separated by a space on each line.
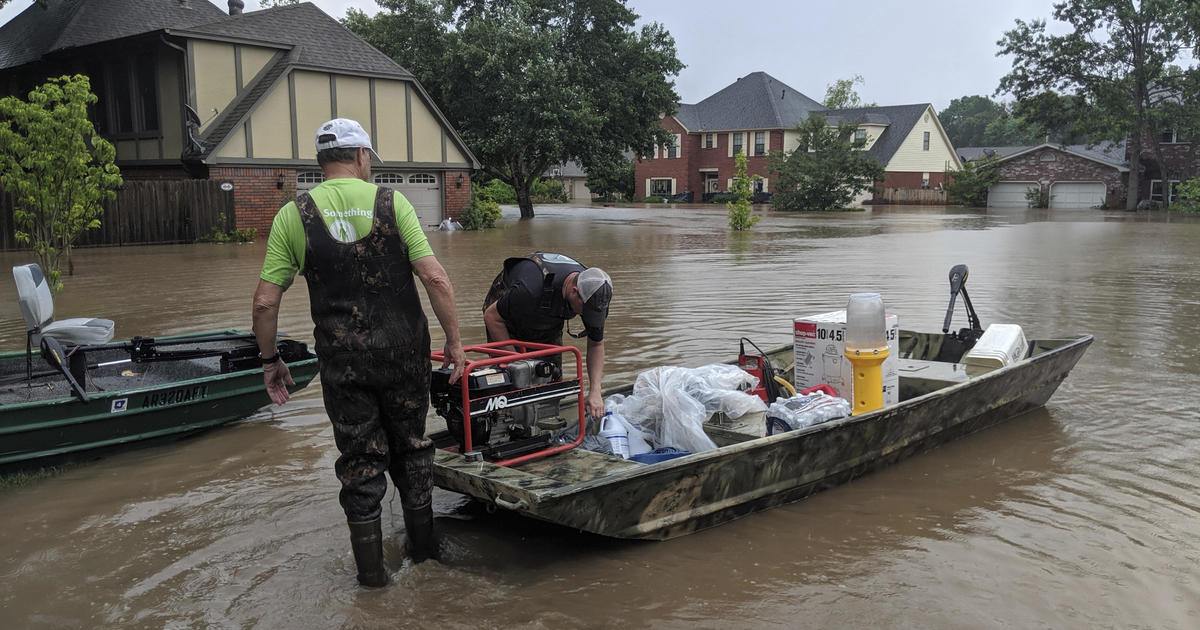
37 307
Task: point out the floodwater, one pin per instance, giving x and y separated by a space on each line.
1083 515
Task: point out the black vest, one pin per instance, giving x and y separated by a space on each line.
555 268
362 295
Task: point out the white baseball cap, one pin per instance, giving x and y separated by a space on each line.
344 133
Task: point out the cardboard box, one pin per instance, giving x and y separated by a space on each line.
820 355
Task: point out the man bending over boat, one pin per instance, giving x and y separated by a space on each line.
359 245
534 296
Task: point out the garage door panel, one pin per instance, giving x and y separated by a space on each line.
1009 195
1077 195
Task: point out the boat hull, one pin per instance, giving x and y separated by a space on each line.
680 496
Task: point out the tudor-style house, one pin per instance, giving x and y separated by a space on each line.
758 113
187 91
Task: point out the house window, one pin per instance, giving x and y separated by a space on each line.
1047 156
760 143
758 185
860 135
309 177
737 143
708 140
422 178
1156 190
127 95
1171 136
925 143
389 178
925 181
673 148
660 187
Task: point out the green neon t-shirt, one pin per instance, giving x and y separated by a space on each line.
348 207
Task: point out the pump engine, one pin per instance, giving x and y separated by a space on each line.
518 400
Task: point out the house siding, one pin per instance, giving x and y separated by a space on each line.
694 159
912 157
214 80
271 124
1183 163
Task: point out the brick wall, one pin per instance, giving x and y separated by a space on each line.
256 193
454 198
1183 163
693 157
1065 167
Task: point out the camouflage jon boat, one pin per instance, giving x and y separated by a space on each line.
748 472
115 394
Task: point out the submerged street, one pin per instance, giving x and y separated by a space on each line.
1083 514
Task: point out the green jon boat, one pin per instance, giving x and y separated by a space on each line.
132 391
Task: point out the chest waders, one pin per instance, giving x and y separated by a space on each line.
553 309
373 345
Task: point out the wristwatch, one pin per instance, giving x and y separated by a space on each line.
274 358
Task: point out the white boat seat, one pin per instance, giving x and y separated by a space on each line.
37 307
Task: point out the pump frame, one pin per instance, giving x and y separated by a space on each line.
499 354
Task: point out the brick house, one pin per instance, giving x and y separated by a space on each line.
187 91
1083 176
758 113
1076 176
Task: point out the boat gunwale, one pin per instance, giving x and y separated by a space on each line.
109 394
535 497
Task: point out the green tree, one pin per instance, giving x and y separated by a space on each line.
739 206
1114 62
969 186
58 170
531 83
978 121
842 95
612 178
826 170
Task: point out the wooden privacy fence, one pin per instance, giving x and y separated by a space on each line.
913 195
146 212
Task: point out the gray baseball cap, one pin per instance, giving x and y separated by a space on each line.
595 288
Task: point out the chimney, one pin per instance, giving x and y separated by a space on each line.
236 6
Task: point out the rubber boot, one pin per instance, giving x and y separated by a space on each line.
366 539
418 522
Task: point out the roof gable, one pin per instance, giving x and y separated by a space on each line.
62 24
900 120
1108 153
318 40
755 101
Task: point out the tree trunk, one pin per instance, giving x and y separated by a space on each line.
1135 167
524 199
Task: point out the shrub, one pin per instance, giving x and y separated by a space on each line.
548 191
739 208
1189 196
234 235
481 214
496 191
1037 198
654 199
969 186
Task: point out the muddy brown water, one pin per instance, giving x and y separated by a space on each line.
1085 514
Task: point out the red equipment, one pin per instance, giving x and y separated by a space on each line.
760 367
499 356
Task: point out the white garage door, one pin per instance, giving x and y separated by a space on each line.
1009 195
421 189
1077 195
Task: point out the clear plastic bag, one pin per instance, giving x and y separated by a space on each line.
802 411
671 404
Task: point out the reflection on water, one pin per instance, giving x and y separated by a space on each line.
1083 514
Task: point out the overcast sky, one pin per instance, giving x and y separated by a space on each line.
906 52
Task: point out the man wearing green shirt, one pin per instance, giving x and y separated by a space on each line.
359 245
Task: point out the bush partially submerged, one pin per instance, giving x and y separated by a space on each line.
481 214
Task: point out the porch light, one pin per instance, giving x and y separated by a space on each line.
279 182
458 183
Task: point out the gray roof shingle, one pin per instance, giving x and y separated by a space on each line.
318 39
1110 153
755 101
62 24
900 119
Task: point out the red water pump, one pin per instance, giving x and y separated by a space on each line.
759 366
